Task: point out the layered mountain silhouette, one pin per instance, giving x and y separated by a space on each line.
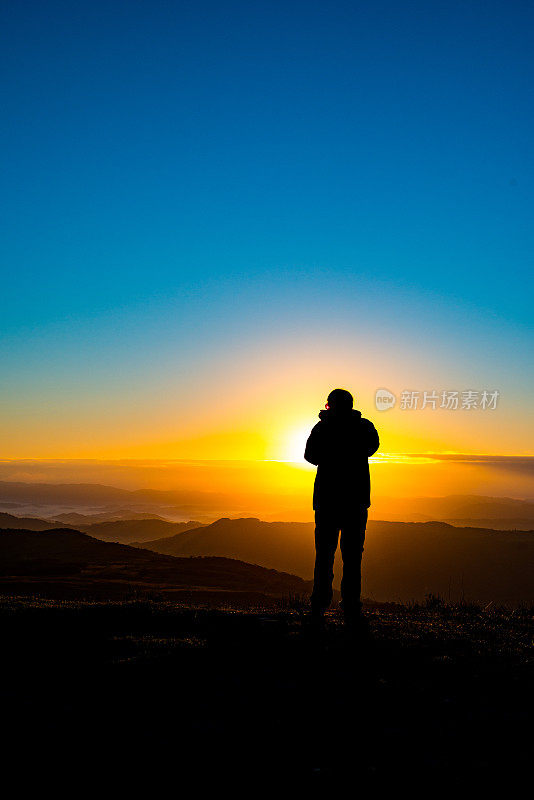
475 510
94 494
98 499
75 518
500 524
137 530
65 563
485 556
124 531
26 523
250 539
402 561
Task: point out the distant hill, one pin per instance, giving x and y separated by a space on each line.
57 501
410 560
26 523
455 508
65 563
75 493
124 531
74 518
84 494
290 543
127 531
402 561
504 524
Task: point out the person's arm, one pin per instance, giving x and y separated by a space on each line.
373 442
312 451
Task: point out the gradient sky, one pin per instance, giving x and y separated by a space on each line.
215 212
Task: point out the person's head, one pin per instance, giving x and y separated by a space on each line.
339 400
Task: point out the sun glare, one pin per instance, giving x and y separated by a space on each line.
296 442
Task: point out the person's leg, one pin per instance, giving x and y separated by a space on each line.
352 540
326 537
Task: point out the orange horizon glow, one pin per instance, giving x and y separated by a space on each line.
273 489
242 428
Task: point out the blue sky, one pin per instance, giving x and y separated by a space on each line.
185 177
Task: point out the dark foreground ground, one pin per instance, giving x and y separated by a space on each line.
123 694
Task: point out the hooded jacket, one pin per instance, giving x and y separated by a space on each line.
339 445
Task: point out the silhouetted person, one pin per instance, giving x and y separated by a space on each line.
339 445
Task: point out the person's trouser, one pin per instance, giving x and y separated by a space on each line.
328 524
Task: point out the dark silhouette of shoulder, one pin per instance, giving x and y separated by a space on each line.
341 437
